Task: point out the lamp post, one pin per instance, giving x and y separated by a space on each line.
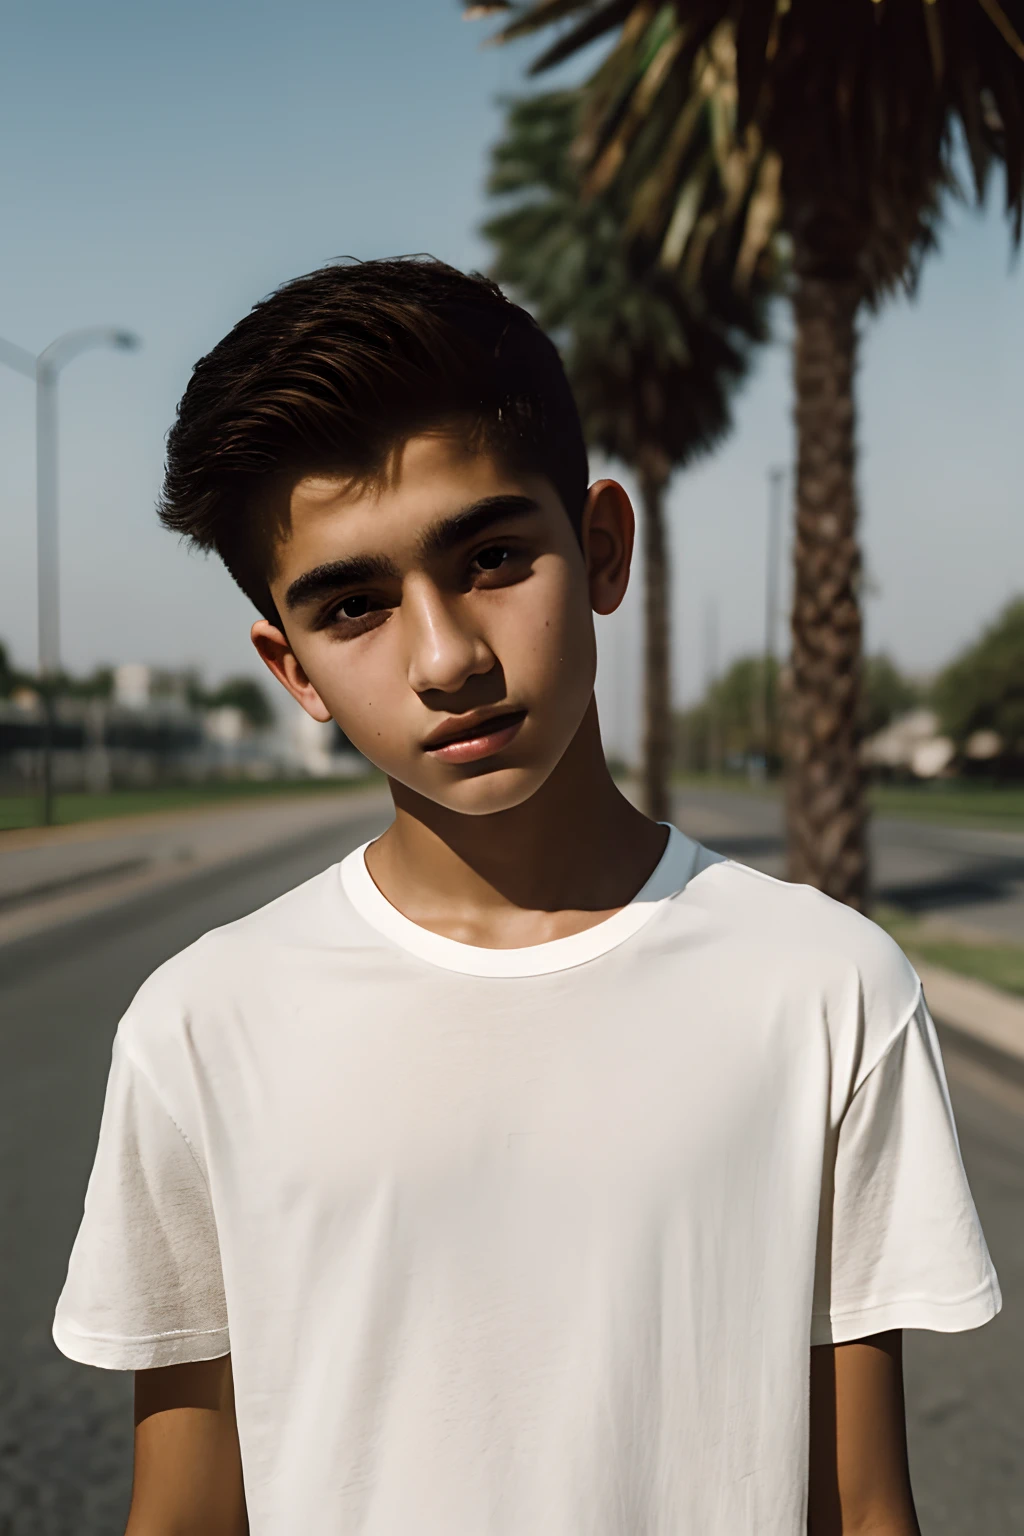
45 370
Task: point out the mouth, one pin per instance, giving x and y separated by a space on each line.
478 738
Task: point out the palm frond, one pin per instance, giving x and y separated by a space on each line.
999 19
603 20
653 364
837 123
637 106
753 58
547 13
610 89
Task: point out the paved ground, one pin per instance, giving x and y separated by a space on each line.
52 875
65 1430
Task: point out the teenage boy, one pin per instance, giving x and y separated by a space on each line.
542 1171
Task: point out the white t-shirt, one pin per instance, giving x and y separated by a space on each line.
529 1240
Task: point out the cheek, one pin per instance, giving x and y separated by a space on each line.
558 625
358 685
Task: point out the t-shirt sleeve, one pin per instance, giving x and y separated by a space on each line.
144 1283
900 1244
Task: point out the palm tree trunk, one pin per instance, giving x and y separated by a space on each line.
826 811
657 765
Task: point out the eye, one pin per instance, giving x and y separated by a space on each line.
492 558
356 607
347 617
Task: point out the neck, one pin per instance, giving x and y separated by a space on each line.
576 848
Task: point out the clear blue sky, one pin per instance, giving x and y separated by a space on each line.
164 166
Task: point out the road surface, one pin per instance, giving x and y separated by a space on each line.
65 1430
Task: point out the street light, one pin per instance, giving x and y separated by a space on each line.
45 370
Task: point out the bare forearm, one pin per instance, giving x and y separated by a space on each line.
174 1525
887 1527
859 1477
200 1510
188 1472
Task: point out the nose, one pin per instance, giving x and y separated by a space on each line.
444 648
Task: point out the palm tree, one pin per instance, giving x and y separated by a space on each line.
652 366
843 126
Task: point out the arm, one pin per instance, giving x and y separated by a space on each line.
188 1472
859 1477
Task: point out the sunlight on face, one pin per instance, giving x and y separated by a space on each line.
444 621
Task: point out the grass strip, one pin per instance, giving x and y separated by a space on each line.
25 810
1000 808
1000 965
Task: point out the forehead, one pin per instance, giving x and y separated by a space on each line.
427 477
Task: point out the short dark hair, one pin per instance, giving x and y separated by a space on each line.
337 369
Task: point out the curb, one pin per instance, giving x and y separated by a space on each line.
957 1043
972 1011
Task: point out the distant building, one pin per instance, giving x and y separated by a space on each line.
912 744
133 682
152 731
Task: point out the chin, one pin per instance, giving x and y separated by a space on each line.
487 794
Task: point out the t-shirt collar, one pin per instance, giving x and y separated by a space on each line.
669 876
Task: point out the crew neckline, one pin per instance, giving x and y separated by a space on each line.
670 875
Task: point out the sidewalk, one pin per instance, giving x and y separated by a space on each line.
53 875
975 1012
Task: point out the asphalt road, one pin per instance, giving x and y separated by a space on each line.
65 1430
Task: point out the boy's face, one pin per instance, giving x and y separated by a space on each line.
445 621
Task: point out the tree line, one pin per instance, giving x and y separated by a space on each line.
980 690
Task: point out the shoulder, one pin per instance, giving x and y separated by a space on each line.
821 954
226 971
803 922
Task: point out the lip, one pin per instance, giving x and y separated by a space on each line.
475 737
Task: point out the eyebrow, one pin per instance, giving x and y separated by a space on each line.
448 532
322 580
439 539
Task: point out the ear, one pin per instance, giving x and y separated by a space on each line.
607 532
272 644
